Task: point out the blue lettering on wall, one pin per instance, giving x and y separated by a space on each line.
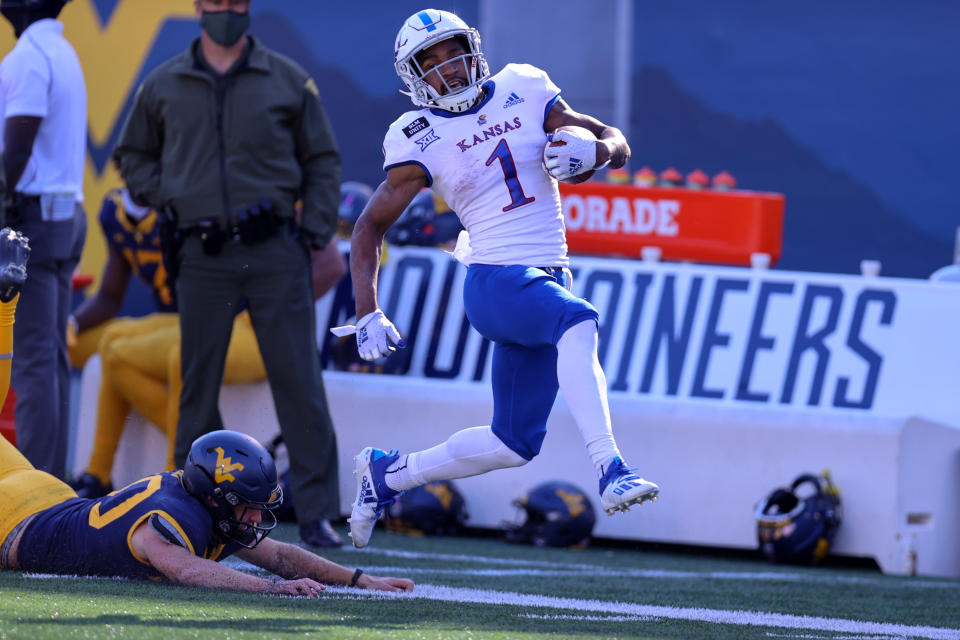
342 309
430 368
756 341
608 316
873 359
712 338
406 266
804 341
664 332
641 283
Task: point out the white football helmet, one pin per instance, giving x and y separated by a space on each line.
425 29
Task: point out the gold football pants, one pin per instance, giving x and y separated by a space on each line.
140 359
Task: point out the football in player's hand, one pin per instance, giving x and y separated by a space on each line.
580 132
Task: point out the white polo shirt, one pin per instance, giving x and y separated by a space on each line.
42 77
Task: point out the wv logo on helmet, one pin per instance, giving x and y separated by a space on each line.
574 502
224 466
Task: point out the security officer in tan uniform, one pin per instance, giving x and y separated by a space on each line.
226 137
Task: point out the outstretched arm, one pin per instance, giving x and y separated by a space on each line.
182 567
611 144
292 562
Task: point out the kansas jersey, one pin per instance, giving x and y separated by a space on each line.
487 164
92 537
138 241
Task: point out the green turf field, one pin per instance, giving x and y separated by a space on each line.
485 588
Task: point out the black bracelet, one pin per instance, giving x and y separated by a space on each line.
356 576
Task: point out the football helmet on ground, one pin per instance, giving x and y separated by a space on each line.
433 509
794 528
423 30
558 514
227 469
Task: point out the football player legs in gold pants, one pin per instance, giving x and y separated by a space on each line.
142 372
133 367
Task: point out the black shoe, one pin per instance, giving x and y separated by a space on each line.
319 533
89 486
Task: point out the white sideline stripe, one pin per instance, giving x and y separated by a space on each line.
656 573
716 616
590 618
833 637
881 630
649 573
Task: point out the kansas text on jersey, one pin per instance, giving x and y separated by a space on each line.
486 163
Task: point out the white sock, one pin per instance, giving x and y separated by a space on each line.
466 453
584 387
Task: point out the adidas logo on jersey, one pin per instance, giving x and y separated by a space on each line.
512 100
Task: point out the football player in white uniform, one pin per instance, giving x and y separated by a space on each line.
489 146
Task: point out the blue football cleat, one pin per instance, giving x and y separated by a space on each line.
621 487
373 494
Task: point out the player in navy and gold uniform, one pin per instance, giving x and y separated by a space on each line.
172 526
94 537
133 247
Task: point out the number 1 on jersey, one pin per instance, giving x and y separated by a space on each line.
509 168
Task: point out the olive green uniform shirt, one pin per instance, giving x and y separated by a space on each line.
211 145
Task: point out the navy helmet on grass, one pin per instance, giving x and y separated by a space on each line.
226 470
798 526
433 509
558 514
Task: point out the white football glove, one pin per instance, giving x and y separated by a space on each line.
377 337
573 158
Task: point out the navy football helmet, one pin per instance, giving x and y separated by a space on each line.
422 225
799 529
558 514
354 197
433 509
227 469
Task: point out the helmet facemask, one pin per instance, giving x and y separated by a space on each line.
424 95
231 474
233 527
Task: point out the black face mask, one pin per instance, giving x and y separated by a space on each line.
225 27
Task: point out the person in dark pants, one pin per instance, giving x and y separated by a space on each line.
227 137
44 110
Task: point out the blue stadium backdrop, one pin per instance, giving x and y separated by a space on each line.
848 110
